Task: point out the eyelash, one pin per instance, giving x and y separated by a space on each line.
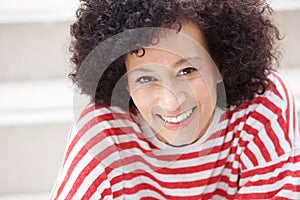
142 79
147 79
191 70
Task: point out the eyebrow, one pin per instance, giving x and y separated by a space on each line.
177 63
184 60
140 69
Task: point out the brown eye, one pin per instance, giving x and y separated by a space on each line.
145 79
187 71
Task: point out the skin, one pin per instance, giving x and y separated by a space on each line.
173 79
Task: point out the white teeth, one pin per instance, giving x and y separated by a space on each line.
178 119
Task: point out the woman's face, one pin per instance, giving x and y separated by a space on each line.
174 86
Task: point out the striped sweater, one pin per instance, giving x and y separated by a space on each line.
248 152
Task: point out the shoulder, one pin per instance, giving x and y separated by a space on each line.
93 115
277 102
280 89
103 124
94 148
266 127
102 118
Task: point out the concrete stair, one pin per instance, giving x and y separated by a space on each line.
35 119
37 99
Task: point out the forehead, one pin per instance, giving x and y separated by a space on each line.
189 42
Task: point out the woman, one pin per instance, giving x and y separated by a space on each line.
185 103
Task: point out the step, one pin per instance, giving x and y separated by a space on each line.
31 156
19 11
35 102
34 51
286 5
35 119
30 196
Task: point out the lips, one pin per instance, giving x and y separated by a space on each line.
179 121
179 118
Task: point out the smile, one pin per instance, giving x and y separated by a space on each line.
179 118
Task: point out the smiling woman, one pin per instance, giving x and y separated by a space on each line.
185 104
181 93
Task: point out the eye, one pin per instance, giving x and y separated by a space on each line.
145 79
187 71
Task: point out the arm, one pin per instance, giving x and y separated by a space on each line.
270 162
83 175
277 179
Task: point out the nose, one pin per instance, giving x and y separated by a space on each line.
171 99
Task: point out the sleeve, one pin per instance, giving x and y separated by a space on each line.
83 174
270 160
278 179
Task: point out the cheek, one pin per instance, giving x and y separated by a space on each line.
144 100
204 90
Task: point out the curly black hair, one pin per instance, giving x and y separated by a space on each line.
240 34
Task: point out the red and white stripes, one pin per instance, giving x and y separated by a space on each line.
250 151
